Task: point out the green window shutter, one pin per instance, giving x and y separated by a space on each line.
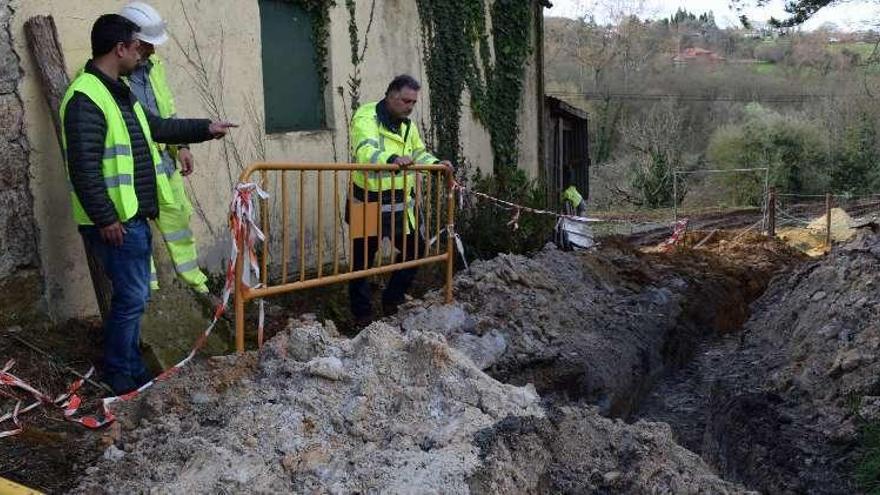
291 81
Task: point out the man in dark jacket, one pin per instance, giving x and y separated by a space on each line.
111 160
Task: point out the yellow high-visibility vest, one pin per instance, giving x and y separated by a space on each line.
373 143
117 166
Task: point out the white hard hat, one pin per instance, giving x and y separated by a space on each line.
151 23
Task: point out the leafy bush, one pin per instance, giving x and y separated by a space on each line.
795 150
483 225
857 164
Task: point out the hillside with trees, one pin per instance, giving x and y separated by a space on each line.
682 93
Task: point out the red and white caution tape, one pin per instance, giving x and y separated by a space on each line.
245 235
243 223
66 401
450 230
678 232
518 209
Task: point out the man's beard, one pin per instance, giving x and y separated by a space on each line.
123 71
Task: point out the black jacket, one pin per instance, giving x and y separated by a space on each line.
85 129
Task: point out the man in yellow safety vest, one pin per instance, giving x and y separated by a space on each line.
573 201
149 84
381 132
117 184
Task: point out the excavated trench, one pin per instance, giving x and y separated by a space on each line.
690 310
761 362
784 405
679 303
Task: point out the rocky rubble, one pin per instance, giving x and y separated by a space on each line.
570 324
316 412
384 412
596 327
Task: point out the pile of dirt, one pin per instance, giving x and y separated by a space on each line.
600 326
385 412
841 222
779 407
810 242
812 238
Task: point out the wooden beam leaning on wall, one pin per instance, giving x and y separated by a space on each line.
42 39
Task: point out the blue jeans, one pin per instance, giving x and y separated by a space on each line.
128 267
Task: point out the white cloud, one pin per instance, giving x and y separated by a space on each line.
849 15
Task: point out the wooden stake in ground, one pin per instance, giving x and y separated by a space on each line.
42 38
771 213
828 220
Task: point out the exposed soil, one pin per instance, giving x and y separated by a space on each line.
779 406
600 327
51 452
510 389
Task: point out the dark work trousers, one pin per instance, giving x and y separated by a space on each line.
359 289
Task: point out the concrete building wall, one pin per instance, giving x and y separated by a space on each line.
218 52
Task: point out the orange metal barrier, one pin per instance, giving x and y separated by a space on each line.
431 183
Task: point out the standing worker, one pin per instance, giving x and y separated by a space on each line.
113 166
381 132
574 233
150 86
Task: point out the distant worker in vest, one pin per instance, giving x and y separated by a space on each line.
574 233
573 202
150 87
117 184
382 132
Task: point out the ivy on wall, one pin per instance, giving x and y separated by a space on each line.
358 51
320 13
458 55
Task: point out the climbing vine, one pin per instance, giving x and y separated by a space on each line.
320 13
358 51
458 55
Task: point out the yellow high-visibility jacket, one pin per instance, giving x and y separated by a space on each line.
372 142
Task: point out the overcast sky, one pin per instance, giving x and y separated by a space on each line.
849 15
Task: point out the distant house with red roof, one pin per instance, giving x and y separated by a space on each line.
697 55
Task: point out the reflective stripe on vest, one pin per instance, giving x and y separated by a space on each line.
118 150
178 235
364 143
117 165
395 207
185 267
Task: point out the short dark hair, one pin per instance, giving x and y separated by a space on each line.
403 81
109 30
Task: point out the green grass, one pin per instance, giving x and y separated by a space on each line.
868 468
765 68
862 48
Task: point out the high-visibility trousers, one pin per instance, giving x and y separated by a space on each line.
173 223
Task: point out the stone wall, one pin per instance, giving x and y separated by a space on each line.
19 259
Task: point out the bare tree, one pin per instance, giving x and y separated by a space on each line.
655 154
